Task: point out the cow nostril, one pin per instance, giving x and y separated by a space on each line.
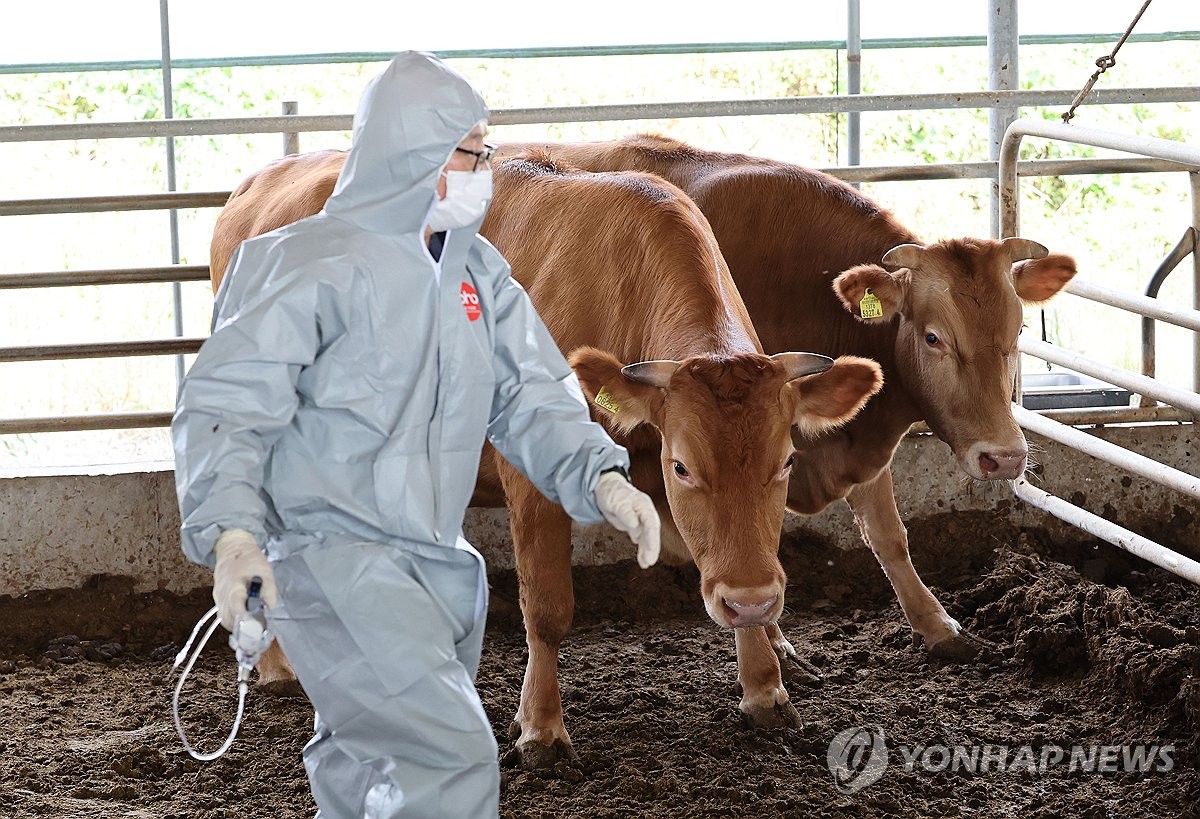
756 608
1002 464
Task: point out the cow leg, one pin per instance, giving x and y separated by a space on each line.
765 701
275 674
541 533
874 507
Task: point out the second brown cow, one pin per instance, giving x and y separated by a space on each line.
821 266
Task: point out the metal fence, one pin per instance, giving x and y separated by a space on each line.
1147 386
294 124
1005 170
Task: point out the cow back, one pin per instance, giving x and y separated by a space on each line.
819 226
619 260
285 191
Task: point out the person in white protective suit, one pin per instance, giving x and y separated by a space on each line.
328 435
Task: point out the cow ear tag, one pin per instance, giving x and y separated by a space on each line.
870 306
604 399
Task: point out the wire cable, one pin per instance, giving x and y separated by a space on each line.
243 687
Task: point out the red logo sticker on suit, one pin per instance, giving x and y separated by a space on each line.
470 302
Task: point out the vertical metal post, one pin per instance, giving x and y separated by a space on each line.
853 80
1194 178
169 113
1003 75
291 139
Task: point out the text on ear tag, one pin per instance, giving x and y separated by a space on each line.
870 306
604 399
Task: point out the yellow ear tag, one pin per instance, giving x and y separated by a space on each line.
870 306
604 398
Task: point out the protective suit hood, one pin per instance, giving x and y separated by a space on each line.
409 121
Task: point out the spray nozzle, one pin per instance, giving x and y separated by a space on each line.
250 637
254 594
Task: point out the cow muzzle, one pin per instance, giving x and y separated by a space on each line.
986 461
745 607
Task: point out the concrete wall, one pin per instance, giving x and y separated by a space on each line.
58 530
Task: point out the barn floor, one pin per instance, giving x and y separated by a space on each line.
649 686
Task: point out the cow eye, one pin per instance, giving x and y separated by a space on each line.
932 339
789 462
681 470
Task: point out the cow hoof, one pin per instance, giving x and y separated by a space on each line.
780 715
537 756
962 648
284 689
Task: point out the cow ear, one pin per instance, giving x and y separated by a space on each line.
830 399
617 402
1038 280
888 292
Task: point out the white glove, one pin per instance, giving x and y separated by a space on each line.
630 510
238 561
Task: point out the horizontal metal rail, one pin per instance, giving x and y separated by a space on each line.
988 170
959 41
1099 416
1118 456
168 274
1183 399
107 204
154 128
1097 526
841 103
140 420
1096 416
862 173
85 423
1142 305
112 349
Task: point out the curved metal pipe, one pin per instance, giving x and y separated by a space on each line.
1187 244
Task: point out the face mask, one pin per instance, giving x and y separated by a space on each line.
467 197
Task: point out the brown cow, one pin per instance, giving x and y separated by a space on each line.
623 267
945 331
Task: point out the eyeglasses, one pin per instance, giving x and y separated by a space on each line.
483 157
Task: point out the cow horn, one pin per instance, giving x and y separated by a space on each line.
799 365
904 255
654 373
1019 249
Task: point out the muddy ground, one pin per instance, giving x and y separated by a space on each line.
1091 647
